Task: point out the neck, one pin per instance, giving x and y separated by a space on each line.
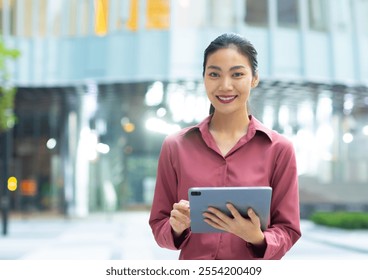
230 123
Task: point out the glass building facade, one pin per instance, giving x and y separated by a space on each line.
100 83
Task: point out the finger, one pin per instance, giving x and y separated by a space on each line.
253 217
233 211
180 216
182 205
212 223
220 215
177 226
212 219
184 202
180 213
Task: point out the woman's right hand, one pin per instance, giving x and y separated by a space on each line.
180 217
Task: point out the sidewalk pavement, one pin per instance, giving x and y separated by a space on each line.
127 236
321 242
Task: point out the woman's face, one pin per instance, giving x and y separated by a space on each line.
228 80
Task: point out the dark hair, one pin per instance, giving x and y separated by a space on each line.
227 40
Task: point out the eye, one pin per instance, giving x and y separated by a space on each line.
213 74
238 74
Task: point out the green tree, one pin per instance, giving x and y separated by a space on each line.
7 92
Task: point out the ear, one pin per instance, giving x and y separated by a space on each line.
255 81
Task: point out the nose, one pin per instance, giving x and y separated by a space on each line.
226 83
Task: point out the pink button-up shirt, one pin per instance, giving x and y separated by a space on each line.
262 157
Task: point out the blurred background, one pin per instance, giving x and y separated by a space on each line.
90 88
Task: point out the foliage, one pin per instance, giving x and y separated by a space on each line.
341 219
7 92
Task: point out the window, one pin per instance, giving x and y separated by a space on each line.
192 14
256 12
342 18
288 13
317 15
132 22
221 13
72 24
101 17
158 14
85 14
27 18
54 17
362 19
1 18
41 18
119 14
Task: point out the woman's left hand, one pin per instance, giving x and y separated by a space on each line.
249 229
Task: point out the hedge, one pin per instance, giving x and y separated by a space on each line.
341 219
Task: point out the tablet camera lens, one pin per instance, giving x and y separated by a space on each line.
196 193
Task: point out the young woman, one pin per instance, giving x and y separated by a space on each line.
228 148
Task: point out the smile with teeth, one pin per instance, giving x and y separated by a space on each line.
227 98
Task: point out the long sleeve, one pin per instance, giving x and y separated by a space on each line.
164 198
285 219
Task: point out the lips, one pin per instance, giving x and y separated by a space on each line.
226 98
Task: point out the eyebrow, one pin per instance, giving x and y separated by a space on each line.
231 69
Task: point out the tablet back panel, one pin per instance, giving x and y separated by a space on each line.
200 198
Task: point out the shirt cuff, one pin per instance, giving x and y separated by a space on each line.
181 240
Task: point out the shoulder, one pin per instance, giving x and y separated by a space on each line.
277 139
180 136
188 132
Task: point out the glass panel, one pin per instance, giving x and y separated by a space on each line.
101 17
27 18
222 13
287 13
42 30
13 17
342 18
72 30
1 17
317 15
132 22
256 12
158 14
192 14
54 17
362 19
85 14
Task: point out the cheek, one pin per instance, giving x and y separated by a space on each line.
244 85
209 86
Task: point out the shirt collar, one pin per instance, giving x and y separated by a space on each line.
254 125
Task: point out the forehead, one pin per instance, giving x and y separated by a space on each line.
228 56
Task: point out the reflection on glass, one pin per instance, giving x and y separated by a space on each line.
187 103
365 130
287 13
154 95
317 15
348 137
324 109
284 116
256 12
161 126
268 113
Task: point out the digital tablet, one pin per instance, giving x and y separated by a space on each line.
200 198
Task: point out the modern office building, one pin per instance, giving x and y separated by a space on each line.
100 83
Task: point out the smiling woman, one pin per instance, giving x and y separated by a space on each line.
228 148
244 76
